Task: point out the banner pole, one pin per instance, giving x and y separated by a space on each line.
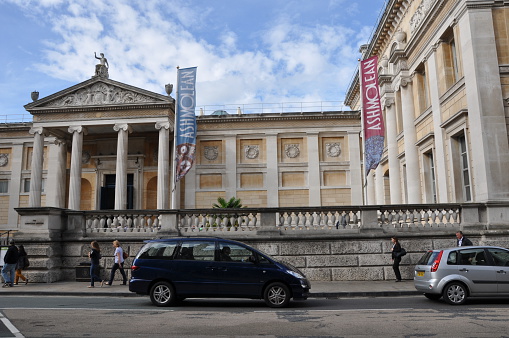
174 153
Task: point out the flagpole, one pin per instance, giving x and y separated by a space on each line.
174 166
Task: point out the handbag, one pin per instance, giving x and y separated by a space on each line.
125 255
401 253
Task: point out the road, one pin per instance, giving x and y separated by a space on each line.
349 317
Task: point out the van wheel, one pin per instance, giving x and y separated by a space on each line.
162 294
432 296
277 295
455 293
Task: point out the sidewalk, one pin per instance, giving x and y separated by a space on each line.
318 289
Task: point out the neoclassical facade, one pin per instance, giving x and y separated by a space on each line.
106 145
444 84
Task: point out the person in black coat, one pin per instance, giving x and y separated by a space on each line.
10 262
462 240
396 258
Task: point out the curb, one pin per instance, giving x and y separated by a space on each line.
132 294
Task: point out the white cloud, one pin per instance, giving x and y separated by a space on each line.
144 41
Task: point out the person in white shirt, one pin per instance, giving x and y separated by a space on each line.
119 264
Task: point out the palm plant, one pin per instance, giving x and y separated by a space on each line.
233 203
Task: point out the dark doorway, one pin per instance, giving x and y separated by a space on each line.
108 192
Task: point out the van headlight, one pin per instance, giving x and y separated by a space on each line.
295 274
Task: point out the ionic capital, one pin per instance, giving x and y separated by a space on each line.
38 130
166 125
77 129
123 127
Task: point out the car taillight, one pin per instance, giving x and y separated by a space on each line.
436 263
134 267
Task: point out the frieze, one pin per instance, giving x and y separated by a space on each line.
420 14
211 152
99 94
251 151
292 150
4 160
333 149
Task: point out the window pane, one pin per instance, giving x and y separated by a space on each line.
500 256
235 253
4 186
200 251
26 185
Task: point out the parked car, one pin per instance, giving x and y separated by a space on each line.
173 269
462 272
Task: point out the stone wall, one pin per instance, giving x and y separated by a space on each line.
365 257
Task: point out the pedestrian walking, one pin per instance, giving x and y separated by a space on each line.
23 264
10 261
118 264
396 258
95 256
462 240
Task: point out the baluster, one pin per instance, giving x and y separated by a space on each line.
355 220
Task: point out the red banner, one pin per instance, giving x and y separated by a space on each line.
373 123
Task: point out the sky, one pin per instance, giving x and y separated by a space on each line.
249 53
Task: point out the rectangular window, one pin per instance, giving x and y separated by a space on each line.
4 186
465 173
422 93
26 185
430 179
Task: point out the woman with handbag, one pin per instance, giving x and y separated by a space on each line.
119 263
95 256
22 264
396 257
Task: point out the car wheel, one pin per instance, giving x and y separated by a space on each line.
455 293
162 294
277 295
432 296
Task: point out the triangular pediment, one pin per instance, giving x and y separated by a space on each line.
98 92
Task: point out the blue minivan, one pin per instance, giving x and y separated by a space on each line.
170 270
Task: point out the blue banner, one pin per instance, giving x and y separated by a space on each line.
185 122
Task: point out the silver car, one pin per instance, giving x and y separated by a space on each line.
461 272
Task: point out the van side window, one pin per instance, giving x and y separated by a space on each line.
198 251
157 251
235 253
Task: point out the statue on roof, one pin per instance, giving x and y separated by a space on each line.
101 69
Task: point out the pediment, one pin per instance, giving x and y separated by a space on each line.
98 92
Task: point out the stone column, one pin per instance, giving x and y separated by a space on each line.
123 130
487 120
356 172
163 165
76 166
272 178
392 151
314 170
57 156
438 139
379 185
34 199
370 195
15 184
231 166
410 137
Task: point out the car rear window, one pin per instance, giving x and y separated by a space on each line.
428 258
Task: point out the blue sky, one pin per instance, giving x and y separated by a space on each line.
246 51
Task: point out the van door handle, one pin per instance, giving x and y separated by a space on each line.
463 270
502 271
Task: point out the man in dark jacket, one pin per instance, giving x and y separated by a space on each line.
462 240
10 261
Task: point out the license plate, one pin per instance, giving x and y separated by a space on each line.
420 273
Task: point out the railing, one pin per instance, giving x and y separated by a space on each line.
281 220
217 220
319 219
122 221
279 108
421 217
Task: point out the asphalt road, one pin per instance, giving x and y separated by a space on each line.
349 317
